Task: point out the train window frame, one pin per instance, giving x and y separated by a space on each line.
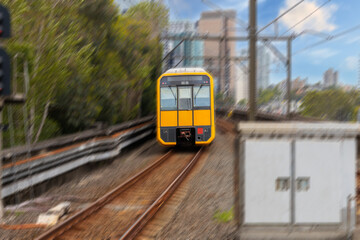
196 92
173 91
190 104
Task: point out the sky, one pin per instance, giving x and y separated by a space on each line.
334 17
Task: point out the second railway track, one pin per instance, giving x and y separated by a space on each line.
123 212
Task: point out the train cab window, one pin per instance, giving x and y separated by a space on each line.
201 96
168 96
185 101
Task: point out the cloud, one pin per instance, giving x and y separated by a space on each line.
239 5
319 21
323 53
351 63
353 40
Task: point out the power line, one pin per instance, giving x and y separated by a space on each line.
302 20
329 39
284 13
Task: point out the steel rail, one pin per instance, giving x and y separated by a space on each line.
80 149
158 203
20 177
61 228
15 153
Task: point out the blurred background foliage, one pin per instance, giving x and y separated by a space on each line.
81 63
331 104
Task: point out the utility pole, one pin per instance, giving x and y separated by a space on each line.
220 62
288 81
252 60
226 58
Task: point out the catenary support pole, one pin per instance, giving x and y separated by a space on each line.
226 58
288 80
252 60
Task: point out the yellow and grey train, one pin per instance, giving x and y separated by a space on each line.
185 107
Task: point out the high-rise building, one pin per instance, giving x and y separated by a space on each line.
241 79
185 54
298 84
330 78
241 84
263 68
217 54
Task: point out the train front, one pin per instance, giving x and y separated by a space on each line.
185 107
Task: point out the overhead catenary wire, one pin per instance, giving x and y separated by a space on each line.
280 16
305 18
328 39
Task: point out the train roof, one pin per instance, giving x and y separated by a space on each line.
185 70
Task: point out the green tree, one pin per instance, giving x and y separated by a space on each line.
82 62
268 95
222 100
331 104
45 46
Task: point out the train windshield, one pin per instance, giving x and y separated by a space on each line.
168 96
201 96
185 101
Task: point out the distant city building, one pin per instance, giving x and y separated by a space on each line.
220 22
241 79
330 78
315 87
347 88
263 68
298 84
188 53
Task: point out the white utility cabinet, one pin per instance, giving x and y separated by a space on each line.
297 173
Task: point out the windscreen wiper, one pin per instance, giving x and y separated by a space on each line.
198 91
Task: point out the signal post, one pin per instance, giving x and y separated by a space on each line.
5 69
6 95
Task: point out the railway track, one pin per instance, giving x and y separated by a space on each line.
225 126
22 174
123 212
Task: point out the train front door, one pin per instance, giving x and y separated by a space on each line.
185 106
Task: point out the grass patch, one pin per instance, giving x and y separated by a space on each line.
18 213
225 216
7 213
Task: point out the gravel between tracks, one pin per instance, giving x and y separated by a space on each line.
210 191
